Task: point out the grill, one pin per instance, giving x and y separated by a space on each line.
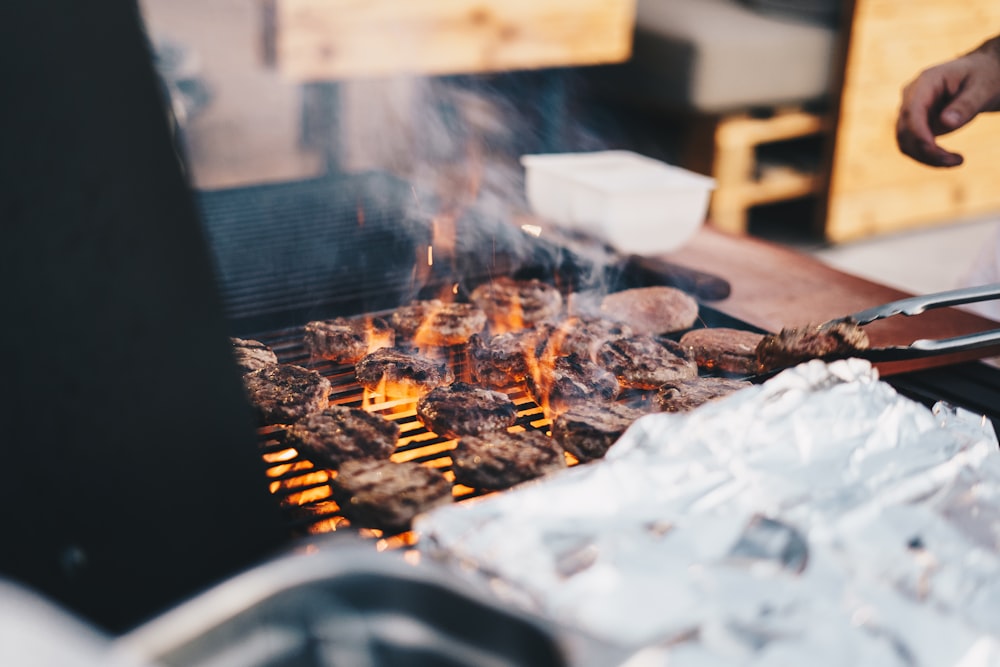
365 253
353 245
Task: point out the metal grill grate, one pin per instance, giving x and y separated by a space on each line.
303 489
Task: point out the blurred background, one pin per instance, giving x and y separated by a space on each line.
788 105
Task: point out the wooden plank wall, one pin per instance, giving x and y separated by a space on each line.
326 40
873 188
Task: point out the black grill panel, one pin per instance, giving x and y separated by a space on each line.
291 252
974 386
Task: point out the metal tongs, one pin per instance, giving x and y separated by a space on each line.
916 305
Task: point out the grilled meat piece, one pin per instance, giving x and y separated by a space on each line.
513 304
587 431
461 409
644 362
284 393
387 495
793 346
565 381
688 394
436 323
724 350
252 355
582 336
502 360
651 310
339 433
406 373
499 460
345 340
405 320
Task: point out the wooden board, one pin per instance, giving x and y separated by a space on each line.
324 40
874 189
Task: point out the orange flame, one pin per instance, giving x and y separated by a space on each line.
377 337
391 398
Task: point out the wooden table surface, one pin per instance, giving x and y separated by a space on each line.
774 287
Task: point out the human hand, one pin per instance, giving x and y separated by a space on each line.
945 97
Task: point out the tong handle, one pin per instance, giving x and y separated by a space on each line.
918 304
924 347
958 343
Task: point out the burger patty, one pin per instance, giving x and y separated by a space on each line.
338 434
387 495
462 409
501 360
583 336
793 346
437 323
688 394
512 304
565 381
284 393
398 368
651 310
499 460
345 340
723 349
644 362
252 355
587 431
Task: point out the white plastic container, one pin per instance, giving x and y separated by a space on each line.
635 203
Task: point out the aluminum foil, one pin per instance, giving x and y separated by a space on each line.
819 518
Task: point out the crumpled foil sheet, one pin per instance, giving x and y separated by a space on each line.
819 518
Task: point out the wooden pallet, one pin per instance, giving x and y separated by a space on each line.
742 182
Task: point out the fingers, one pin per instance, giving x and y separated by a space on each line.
977 93
944 98
922 116
929 153
915 140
